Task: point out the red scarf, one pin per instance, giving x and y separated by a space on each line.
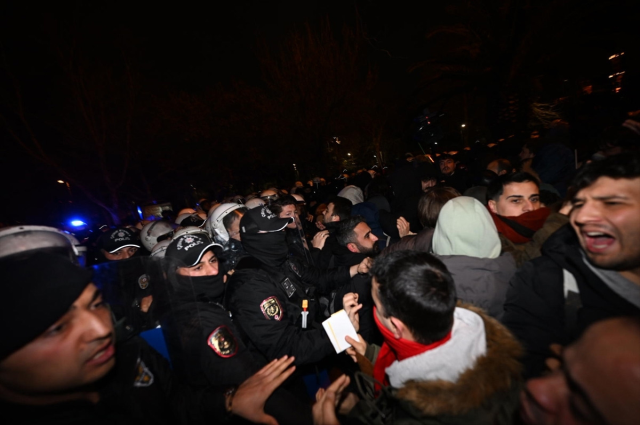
532 220
397 349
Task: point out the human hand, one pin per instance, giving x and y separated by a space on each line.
248 401
403 227
324 410
359 347
320 224
319 239
351 306
310 218
145 303
365 265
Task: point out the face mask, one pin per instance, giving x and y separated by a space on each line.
269 248
210 287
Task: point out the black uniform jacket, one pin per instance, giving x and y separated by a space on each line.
139 390
266 303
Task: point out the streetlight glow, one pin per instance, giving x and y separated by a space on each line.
463 125
61 181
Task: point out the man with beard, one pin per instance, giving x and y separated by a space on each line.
269 291
357 241
589 270
324 242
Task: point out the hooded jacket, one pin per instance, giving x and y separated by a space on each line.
487 392
467 242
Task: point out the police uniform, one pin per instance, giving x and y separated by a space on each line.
139 390
266 303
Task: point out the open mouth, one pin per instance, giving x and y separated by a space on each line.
103 355
597 241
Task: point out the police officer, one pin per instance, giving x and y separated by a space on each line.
268 292
204 345
61 363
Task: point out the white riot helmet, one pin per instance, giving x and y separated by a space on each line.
151 231
181 214
159 249
189 230
254 202
215 226
20 239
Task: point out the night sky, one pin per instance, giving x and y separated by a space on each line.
205 48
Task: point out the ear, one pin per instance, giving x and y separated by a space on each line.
399 329
492 206
353 248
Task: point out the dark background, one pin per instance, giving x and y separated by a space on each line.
140 102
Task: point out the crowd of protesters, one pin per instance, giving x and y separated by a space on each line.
502 290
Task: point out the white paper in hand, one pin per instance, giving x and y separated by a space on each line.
338 326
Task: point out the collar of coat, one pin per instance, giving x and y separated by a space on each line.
496 372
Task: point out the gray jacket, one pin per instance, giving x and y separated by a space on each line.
482 282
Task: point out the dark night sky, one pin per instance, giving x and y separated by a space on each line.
194 45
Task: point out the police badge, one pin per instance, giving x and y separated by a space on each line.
271 308
222 342
144 377
143 281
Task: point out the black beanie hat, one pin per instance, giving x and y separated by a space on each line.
37 290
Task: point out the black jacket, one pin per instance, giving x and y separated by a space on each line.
139 390
207 352
535 306
266 303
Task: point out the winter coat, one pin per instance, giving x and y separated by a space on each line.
487 393
266 303
523 252
482 282
539 311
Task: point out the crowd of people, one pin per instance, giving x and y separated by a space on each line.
502 291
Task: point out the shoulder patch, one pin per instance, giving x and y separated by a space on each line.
143 281
222 342
144 377
271 308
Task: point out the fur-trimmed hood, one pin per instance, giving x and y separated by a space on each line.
498 372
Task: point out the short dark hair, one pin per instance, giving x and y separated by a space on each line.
444 156
234 215
276 206
416 288
431 202
621 166
496 187
345 234
504 165
341 207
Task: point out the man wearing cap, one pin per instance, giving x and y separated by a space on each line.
204 345
268 290
118 244
116 247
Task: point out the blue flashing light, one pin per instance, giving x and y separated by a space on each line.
140 213
78 223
